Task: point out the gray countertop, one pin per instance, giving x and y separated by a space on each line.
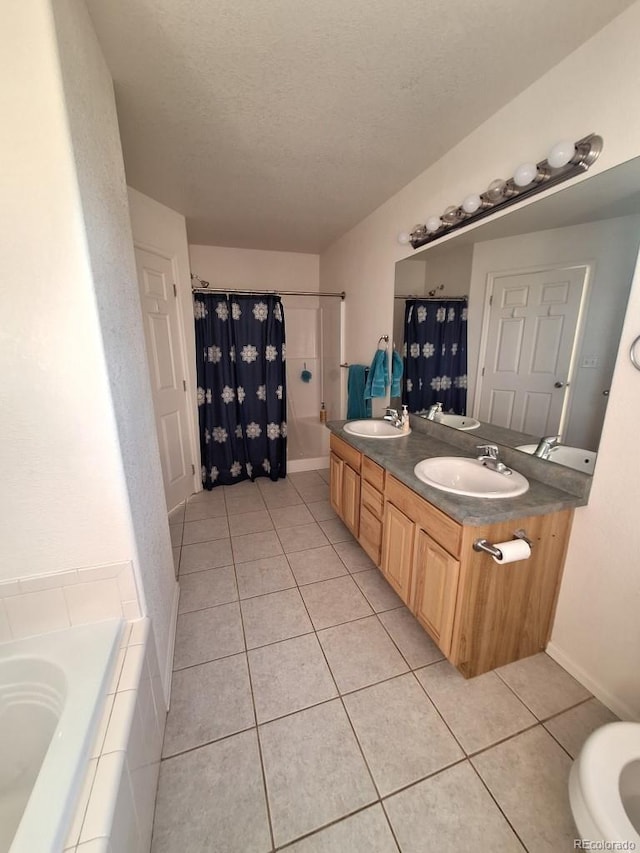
400 455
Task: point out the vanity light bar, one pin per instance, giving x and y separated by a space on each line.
565 160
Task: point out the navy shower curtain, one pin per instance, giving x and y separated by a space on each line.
435 354
242 398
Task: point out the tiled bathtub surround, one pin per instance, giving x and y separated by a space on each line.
310 712
115 810
43 603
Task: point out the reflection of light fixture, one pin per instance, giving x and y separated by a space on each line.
566 159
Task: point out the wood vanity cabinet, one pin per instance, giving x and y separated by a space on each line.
344 482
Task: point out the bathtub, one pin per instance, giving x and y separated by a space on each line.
51 695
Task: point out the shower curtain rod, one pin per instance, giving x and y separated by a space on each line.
340 294
433 298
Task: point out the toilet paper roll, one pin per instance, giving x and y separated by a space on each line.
516 549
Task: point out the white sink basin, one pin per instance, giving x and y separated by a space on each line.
470 477
374 429
457 421
572 457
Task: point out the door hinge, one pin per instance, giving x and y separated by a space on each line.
482 374
175 290
193 468
184 384
490 298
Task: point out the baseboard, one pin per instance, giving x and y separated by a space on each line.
619 708
168 665
296 465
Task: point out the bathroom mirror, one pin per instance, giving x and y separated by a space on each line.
572 254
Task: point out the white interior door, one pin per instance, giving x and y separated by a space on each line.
530 339
162 336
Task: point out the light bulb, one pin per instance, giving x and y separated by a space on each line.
433 223
450 216
525 174
561 153
404 237
495 190
471 203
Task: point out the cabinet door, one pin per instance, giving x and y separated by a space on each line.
335 482
351 499
370 533
397 550
435 588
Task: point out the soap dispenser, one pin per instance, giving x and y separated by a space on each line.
405 419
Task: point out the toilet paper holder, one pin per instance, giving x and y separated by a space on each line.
488 548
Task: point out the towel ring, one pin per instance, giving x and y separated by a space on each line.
632 353
385 338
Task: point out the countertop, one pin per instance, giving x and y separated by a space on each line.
399 456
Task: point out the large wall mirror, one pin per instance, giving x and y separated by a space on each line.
547 290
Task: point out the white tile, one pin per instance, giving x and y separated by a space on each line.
96 845
126 633
127 584
100 573
90 602
121 722
5 630
73 836
9 588
101 733
117 671
144 784
131 610
37 612
124 829
139 632
51 581
104 794
132 668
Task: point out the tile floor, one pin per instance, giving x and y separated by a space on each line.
311 713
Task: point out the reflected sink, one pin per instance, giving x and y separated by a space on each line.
457 421
462 476
572 457
378 428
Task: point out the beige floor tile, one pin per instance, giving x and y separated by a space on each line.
544 686
213 508
259 577
208 702
528 776
334 601
176 559
302 538
244 501
274 617
199 590
322 511
364 832
572 728
336 531
400 732
289 676
314 770
416 645
377 591
360 653
176 531
479 711
255 546
354 557
209 634
198 811
449 813
250 522
207 496
205 530
205 555
176 516
282 495
317 564
290 516
324 473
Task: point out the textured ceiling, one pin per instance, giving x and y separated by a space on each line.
280 124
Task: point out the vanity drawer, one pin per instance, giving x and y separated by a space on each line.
373 473
439 526
349 454
370 534
371 499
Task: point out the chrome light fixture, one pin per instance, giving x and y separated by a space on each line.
565 160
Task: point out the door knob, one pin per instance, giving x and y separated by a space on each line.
558 384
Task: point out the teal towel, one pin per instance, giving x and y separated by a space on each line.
357 406
397 369
378 378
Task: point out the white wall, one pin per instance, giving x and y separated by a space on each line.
611 247
598 634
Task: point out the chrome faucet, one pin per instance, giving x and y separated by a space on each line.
546 445
393 417
433 410
489 457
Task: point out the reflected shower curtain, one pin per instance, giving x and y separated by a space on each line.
435 354
242 399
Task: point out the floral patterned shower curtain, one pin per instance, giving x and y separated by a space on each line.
435 354
242 399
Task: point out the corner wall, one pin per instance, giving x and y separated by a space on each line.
598 636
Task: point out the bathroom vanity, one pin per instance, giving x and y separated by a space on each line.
481 614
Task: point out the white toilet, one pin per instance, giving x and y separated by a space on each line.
604 786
